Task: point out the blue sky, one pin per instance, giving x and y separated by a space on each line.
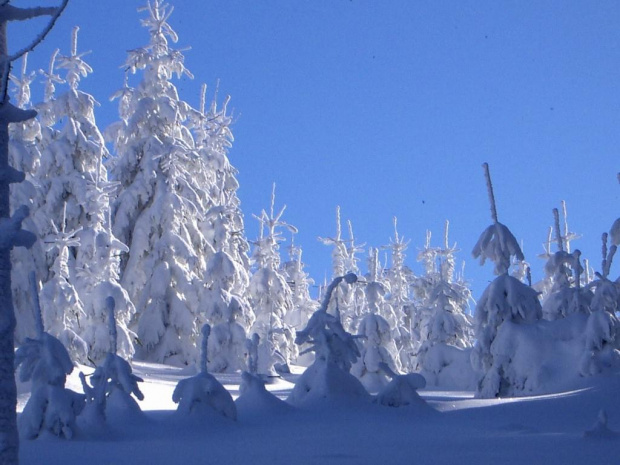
389 108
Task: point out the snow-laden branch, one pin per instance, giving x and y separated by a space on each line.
10 13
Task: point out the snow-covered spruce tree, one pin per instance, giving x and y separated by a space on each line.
112 383
156 214
506 300
564 293
602 332
399 277
62 308
75 182
344 261
445 329
24 155
45 361
376 345
271 296
11 234
303 304
203 394
224 298
328 378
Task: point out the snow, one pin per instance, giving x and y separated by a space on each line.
452 428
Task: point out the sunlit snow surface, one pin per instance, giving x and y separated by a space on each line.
453 428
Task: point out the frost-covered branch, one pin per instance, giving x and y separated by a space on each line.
10 13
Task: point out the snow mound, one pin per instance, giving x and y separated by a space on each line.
255 399
600 430
402 391
202 395
325 381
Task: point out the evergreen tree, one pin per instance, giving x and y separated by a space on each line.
400 279
506 299
271 296
25 155
156 213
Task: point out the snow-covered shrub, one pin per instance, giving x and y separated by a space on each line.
112 383
328 378
203 394
401 390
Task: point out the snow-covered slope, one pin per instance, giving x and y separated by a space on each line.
452 428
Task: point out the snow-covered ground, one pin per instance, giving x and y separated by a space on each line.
453 428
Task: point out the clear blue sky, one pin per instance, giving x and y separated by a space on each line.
389 108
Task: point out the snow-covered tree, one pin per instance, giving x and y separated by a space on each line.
45 362
444 327
602 332
299 281
62 308
505 300
328 378
203 394
348 299
155 213
399 278
562 290
11 234
271 296
25 155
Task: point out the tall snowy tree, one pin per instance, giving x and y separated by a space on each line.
444 327
270 294
25 155
505 300
400 278
73 179
11 234
156 213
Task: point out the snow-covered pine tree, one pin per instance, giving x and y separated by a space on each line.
11 234
445 327
224 298
377 345
563 293
344 261
400 277
270 295
62 308
300 282
602 332
505 300
155 213
24 155
73 177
